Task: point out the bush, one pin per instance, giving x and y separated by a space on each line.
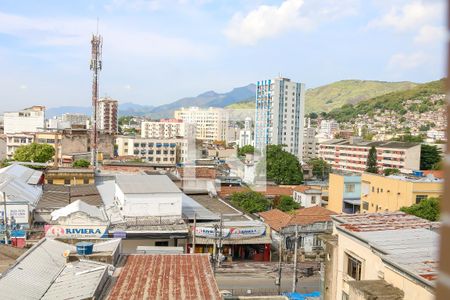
425 209
81 163
250 201
286 203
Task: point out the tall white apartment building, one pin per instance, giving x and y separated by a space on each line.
211 123
246 134
27 120
166 128
328 128
280 106
107 120
310 144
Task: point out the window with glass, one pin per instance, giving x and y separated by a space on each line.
353 267
420 198
349 187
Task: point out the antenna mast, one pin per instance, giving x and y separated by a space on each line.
96 66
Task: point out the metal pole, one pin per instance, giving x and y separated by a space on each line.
214 249
220 240
280 255
193 233
294 278
5 218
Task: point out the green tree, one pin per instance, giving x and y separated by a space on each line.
320 168
250 201
429 156
372 161
81 163
34 152
425 209
409 138
247 149
391 171
313 115
281 166
286 203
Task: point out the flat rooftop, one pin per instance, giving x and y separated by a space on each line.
146 184
380 144
169 276
218 207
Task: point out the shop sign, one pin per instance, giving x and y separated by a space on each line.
231 233
75 232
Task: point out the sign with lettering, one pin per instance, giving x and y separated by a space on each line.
19 212
76 231
231 233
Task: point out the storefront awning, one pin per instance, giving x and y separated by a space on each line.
250 241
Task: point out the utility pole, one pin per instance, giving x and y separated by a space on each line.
193 233
280 257
214 249
294 278
5 218
220 240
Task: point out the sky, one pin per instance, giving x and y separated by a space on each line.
157 51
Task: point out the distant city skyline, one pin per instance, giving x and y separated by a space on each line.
156 51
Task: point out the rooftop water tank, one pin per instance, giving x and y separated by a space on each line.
84 248
418 173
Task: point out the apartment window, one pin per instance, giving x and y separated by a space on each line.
420 198
313 199
66 181
353 267
365 205
349 187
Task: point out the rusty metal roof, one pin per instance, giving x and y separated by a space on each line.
179 276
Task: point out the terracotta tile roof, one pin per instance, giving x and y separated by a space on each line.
275 218
185 276
436 173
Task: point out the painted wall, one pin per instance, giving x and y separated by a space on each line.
335 193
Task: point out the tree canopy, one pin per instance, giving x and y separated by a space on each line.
425 209
372 161
247 149
250 201
321 169
287 203
391 171
281 166
430 156
34 152
81 163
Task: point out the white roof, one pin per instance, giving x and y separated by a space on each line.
23 173
146 184
79 206
18 182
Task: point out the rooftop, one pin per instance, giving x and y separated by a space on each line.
80 206
377 289
379 144
186 276
57 196
146 184
268 191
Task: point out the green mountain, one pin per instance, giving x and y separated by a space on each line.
336 94
394 101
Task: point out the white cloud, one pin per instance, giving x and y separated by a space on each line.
404 61
268 21
410 16
429 34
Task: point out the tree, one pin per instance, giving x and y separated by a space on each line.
247 149
425 209
313 115
372 161
250 201
429 156
81 163
286 203
34 152
281 166
320 168
391 171
409 138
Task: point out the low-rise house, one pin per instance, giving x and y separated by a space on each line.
381 256
307 196
69 176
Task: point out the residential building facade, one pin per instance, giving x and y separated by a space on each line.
107 120
27 120
351 155
390 193
15 140
345 193
211 123
307 196
309 144
166 128
279 114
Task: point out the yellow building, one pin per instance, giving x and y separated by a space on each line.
69 176
344 192
390 193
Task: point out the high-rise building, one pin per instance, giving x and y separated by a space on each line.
279 114
166 128
27 120
211 123
107 120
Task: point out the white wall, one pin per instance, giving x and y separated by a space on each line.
157 205
306 200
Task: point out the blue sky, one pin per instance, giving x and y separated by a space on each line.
157 51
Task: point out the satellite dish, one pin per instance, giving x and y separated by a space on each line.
66 253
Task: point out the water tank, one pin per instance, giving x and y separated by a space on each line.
418 173
84 248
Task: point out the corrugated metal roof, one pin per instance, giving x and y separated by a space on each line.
146 184
80 206
14 181
169 277
78 280
25 174
57 196
34 271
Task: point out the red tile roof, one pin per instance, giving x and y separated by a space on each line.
277 219
186 276
436 173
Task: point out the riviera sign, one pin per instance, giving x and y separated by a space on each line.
77 232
